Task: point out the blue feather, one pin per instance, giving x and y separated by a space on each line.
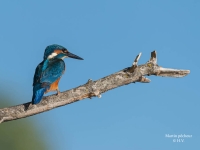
38 92
53 72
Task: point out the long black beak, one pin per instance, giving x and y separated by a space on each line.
73 56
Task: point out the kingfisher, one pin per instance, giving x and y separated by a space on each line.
49 71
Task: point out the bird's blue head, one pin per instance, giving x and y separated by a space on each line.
58 51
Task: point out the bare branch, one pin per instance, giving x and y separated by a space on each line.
93 88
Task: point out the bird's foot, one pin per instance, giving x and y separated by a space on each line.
58 92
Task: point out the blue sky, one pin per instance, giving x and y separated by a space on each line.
108 34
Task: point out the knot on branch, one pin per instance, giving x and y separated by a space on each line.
93 91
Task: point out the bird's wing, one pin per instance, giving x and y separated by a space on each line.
38 72
53 71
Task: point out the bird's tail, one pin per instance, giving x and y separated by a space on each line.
38 92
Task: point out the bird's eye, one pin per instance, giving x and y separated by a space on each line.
65 51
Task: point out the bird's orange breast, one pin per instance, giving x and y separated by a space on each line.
54 86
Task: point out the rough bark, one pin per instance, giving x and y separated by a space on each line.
126 76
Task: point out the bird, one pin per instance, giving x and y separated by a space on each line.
49 71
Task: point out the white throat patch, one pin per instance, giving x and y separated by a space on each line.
64 57
52 55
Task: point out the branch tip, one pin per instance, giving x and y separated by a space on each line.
134 65
153 58
99 96
136 59
169 72
144 79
